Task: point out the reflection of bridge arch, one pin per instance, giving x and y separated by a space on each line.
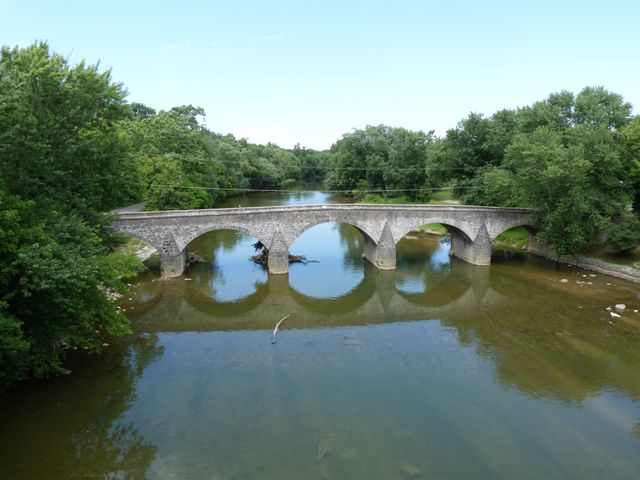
444 293
171 297
347 302
210 306
374 300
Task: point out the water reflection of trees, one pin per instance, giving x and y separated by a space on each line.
352 241
545 346
83 416
209 245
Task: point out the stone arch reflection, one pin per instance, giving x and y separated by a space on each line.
226 273
347 302
421 257
336 252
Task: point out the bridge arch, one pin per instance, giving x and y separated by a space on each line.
294 233
146 239
527 225
188 237
455 228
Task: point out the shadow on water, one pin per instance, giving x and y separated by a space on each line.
77 426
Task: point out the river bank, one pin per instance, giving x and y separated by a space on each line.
600 266
515 242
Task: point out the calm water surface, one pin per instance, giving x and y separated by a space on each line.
439 370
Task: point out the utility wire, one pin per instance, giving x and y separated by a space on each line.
249 189
363 169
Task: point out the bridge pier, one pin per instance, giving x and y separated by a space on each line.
278 262
278 255
172 258
536 247
475 252
382 254
172 264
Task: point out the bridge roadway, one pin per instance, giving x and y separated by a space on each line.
382 226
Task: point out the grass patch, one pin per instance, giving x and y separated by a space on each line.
379 199
442 195
433 228
132 245
516 237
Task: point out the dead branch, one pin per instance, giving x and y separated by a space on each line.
275 330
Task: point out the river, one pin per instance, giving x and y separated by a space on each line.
439 370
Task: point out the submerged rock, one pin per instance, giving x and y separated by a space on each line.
349 453
325 447
410 470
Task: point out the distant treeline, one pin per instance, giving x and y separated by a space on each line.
73 148
178 164
573 158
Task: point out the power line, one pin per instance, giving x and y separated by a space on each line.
248 189
327 168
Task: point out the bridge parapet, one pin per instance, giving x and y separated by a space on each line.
382 226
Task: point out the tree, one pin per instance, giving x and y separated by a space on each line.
477 143
631 153
381 158
54 285
600 108
58 139
63 162
175 169
573 179
572 158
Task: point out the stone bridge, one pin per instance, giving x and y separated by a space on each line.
382 226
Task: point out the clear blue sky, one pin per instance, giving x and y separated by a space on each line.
308 72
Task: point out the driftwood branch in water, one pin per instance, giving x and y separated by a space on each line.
262 259
275 330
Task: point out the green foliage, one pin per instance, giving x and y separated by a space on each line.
63 160
515 237
182 165
381 158
58 140
54 284
434 229
624 234
375 198
631 155
562 156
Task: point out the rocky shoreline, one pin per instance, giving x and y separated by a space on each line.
588 263
600 266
